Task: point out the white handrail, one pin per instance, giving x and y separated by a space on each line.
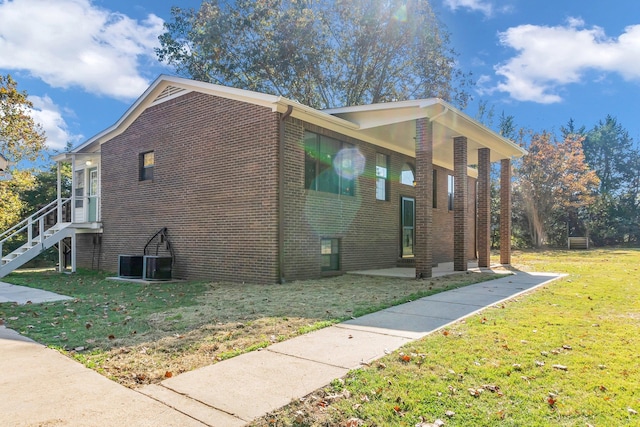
28 222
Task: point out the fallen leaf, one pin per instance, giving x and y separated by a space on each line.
475 392
445 333
354 422
111 337
406 358
491 387
168 374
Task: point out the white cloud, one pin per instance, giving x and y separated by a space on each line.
483 6
550 58
72 43
49 116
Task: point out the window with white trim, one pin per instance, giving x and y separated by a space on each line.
147 163
382 175
450 191
330 252
328 165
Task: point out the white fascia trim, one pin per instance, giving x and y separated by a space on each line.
149 97
514 149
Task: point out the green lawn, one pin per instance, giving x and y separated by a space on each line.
135 333
567 354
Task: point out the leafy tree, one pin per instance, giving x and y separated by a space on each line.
612 153
45 186
608 150
555 186
11 204
570 129
20 137
321 53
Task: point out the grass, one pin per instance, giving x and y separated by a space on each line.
139 334
567 354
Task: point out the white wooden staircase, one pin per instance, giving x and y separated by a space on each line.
40 237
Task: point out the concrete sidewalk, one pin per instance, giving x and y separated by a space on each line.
25 295
41 387
253 384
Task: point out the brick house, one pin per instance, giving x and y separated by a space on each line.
258 188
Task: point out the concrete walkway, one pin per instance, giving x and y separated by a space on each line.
26 295
41 387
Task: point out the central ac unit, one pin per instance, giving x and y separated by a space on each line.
130 266
157 267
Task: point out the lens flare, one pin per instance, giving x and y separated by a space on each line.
349 163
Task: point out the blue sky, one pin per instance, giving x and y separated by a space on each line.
84 62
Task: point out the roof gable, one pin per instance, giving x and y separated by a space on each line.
390 125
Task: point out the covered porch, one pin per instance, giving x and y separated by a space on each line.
85 187
436 133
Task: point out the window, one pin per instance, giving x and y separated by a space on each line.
330 251
147 162
435 189
382 167
330 165
79 188
406 175
450 191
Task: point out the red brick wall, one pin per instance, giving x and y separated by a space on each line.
89 251
369 229
214 188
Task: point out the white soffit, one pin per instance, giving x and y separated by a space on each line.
395 121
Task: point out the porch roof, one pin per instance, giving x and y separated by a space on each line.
390 125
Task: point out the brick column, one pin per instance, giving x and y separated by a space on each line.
484 207
505 211
460 226
424 198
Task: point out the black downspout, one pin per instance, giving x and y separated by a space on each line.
281 197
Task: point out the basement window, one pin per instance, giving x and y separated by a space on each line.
330 252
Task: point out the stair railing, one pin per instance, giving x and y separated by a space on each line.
35 218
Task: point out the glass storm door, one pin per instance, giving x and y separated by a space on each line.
92 196
408 226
